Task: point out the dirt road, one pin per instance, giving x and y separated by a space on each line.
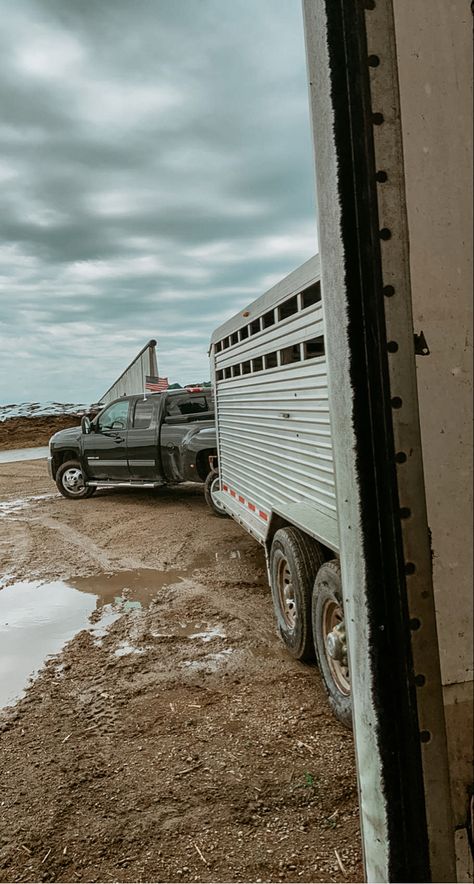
181 744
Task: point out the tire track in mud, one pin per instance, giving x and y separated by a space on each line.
92 550
16 547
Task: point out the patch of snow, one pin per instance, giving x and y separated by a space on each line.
125 648
43 409
214 632
209 663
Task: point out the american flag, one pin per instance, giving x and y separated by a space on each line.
155 385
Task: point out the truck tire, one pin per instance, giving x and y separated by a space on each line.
212 484
330 640
294 562
70 481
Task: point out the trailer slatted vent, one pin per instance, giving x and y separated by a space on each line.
314 348
271 360
311 295
290 354
246 367
257 363
288 308
268 319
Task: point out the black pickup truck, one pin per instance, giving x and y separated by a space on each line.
163 439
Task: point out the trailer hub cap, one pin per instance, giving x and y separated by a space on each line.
336 646
286 594
336 643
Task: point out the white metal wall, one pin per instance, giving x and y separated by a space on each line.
132 380
434 46
274 428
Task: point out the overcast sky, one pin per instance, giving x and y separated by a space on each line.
156 175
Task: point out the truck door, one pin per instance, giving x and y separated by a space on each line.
105 449
142 446
180 411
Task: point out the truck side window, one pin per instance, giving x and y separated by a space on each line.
185 404
143 414
114 418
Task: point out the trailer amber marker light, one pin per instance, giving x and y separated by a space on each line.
251 506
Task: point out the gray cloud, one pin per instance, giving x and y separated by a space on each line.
156 175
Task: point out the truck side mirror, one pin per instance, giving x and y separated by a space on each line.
86 425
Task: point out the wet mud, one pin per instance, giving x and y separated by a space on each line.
171 738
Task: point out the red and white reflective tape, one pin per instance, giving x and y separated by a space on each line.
248 503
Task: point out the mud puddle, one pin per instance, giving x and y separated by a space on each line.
37 618
11 507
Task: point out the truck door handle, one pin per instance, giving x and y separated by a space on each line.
118 439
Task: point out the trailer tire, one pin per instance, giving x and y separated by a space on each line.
209 486
70 481
294 562
330 641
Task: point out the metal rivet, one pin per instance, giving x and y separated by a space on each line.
388 291
425 736
396 402
420 680
381 176
401 457
385 233
392 346
373 61
415 624
410 568
377 119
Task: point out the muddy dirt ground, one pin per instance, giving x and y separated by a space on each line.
184 744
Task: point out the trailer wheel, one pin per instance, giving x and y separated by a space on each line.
294 561
212 484
71 483
330 640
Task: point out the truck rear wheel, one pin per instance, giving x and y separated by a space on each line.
294 562
330 640
70 481
211 485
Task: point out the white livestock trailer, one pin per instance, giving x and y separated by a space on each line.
276 475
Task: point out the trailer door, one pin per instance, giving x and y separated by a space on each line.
384 539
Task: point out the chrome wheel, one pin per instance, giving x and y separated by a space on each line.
286 593
73 481
334 632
